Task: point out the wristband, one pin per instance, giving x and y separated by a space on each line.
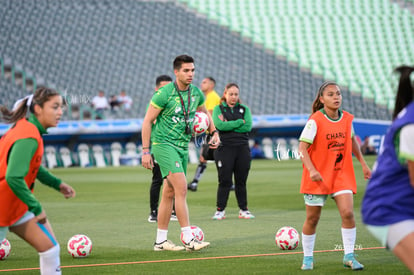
212 133
143 148
146 153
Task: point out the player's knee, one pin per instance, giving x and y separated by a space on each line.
347 215
312 220
181 193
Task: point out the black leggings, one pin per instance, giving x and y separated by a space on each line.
232 160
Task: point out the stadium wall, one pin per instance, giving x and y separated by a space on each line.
71 133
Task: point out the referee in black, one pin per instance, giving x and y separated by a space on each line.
233 120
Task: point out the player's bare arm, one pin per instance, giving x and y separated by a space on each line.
150 117
356 150
303 151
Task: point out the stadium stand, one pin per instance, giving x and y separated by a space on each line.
360 42
80 47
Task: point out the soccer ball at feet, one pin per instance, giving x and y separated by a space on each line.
5 249
79 246
200 123
197 233
287 238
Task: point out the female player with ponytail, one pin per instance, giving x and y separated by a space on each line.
326 146
21 150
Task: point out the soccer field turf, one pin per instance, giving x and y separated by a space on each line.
112 207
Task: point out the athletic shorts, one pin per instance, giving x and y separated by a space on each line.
4 229
391 235
170 159
319 200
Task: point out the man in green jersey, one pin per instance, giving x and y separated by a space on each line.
173 107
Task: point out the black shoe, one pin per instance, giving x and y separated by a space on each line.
192 186
153 216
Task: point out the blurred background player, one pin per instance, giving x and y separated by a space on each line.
21 151
173 107
326 145
234 121
387 207
157 179
212 100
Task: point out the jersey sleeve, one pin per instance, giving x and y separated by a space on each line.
202 98
48 179
160 99
406 150
309 132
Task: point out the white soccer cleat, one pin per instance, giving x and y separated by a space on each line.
245 215
219 215
167 245
195 245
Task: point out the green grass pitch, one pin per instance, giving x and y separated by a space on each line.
112 207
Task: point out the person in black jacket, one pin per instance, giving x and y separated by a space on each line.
233 120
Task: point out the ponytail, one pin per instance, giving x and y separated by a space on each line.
405 93
20 108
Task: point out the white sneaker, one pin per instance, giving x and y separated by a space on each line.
245 215
195 245
167 245
219 215
173 217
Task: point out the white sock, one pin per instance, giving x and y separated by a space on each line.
161 235
348 239
308 243
187 234
50 261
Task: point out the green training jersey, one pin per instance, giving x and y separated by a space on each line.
170 125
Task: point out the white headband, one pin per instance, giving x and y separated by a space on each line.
28 103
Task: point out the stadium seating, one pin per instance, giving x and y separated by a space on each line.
99 155
355 41
66 157
116 152
84 155
51 157
268 148
80 47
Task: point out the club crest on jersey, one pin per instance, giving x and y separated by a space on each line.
177 109
177 164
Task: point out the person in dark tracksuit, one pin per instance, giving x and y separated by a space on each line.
157 179
233 120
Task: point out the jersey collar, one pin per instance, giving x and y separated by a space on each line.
331 119
35 121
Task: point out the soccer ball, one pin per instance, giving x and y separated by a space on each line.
197 233
200 123
79 246
287 238
5 249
